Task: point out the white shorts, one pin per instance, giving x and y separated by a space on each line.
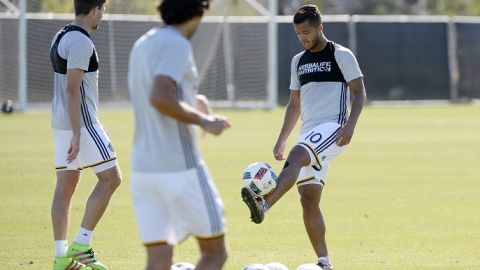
320 145
96 150
171 206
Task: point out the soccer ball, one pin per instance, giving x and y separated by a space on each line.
309 266
255 266
259 178
183 266
276 266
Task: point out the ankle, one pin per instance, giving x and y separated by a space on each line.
61 247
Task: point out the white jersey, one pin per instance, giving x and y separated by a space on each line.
322 80
162 144
72 48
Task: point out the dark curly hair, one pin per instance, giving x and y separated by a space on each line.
174 12
83 7
308 13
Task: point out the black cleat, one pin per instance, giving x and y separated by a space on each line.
256 212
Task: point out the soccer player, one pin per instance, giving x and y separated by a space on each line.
321 76
80 140
173 193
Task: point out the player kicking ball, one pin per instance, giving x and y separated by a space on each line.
321 76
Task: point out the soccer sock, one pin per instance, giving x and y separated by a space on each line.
264 205
84 236
61 247
325 261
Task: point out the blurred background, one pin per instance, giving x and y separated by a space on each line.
408 49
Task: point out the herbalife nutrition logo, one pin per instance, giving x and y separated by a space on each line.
315 67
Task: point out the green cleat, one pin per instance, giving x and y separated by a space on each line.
84 254
65 263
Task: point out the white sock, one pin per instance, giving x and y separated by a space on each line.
325 261
264 205
84 236
61 247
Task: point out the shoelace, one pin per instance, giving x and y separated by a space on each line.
86 257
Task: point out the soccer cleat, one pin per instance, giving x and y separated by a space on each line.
65 263
256 211
85 254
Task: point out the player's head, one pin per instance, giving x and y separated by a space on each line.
183 12
90 9
307 22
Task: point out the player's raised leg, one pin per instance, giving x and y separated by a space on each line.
297 158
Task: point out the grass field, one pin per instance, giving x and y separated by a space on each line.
405 195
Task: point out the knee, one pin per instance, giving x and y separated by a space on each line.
298 157
112 182
116 181
309 202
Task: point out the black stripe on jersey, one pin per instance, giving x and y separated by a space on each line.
89 126
213 215
343 105
346 93
186 138
327 140
102 144
82 110
319 66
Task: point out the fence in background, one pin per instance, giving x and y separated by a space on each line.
402 57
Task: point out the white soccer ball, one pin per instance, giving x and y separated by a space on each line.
309 266
183 266
276 266
259 178
255 266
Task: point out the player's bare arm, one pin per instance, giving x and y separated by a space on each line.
162 97
357 88
74 80
292 114
203 104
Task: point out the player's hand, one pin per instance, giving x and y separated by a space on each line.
74 148
345 134
215 124
279 149
203 105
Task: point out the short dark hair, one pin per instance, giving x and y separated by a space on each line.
83 7
174 12
308 13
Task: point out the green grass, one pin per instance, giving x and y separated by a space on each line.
405 195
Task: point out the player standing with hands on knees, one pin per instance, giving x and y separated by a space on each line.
80 140
173 193
320 79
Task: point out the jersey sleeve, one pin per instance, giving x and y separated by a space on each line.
348 65
294 82
174 60
79 49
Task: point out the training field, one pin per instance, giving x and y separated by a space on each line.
404 195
